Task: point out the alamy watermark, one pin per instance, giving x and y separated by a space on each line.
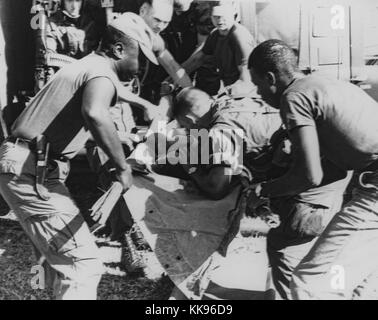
37 281
337 278
198 147
39 10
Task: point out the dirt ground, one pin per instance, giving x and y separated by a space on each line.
16 258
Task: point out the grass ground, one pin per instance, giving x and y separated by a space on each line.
16 258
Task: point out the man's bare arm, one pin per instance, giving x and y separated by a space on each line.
194 61
125 95
97 97
243 47
306 171
175 71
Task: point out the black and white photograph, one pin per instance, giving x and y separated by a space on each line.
204 151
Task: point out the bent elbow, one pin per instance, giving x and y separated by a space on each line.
315 180
92 115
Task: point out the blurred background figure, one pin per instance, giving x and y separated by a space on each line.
190 25
180 35
158 14
207 77
72 31
229 43
66 34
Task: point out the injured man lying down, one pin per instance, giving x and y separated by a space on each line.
192 195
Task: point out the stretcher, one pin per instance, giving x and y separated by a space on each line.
185 229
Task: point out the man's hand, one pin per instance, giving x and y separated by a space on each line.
129 139
255 199
257 189
139 167
151 112
305 171
125 178
166 88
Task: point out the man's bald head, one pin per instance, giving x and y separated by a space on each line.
157 13
193 104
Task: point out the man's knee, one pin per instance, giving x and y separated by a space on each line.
86 272
75 289
78 281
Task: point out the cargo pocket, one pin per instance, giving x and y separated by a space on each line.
308 220
57 234
54 236
13 159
